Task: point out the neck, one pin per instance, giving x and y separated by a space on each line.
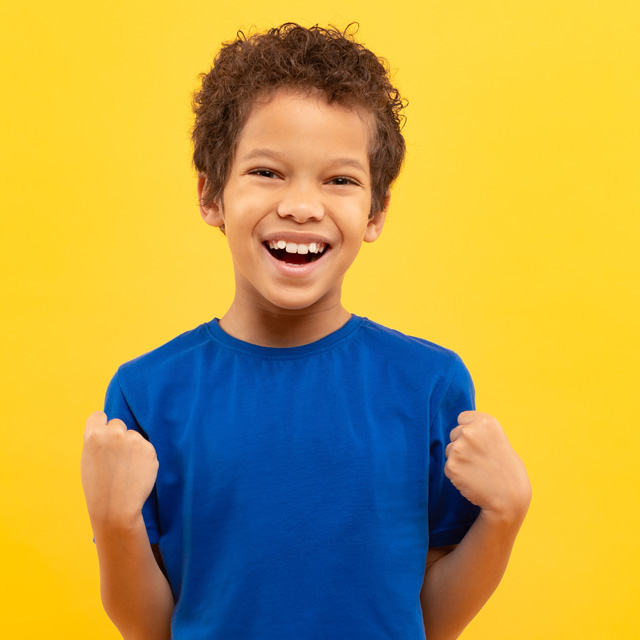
283 328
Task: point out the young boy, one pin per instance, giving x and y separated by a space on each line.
318 476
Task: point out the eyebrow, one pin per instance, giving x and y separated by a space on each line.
269 153
348 162
262 153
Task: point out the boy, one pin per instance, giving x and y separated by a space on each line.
300 489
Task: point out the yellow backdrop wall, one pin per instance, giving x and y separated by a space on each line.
512 239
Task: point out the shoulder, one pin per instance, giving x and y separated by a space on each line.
414 372
407 364
147 384
399 347
170 359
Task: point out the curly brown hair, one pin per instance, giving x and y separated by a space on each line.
328 61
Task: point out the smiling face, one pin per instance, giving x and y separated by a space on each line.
296 205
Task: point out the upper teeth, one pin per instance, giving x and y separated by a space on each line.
300 247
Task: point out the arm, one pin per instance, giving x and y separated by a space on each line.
118 472
487 471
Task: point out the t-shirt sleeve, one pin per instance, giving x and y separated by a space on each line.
450 514
116 406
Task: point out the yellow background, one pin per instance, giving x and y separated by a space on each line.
512 239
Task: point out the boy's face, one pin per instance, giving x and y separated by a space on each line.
299 180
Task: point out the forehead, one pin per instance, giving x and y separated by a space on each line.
306 119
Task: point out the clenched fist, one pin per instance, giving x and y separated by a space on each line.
118 469
483 466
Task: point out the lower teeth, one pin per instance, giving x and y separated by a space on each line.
294 258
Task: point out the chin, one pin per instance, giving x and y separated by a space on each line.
300 303
291 305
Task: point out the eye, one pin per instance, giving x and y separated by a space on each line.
343 181
265 173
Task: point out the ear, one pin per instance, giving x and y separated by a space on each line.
212 213
376 222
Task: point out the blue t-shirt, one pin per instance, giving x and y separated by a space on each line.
298 488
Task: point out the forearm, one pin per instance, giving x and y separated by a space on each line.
458 585
135 593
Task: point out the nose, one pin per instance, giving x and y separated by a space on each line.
302 203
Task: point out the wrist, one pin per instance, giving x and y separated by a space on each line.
111 526
507 516
509 506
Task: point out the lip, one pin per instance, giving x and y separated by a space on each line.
296 270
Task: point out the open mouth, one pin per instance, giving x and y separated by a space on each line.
293 253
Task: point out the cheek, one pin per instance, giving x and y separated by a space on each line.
237 238
356 229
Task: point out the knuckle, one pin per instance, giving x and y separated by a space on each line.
470 433
139 440
97 417
94 439
488 419
103 435
447 469
451 469
92 431
464 435
134 438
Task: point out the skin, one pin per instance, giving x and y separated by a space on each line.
118 470
483 466
300 171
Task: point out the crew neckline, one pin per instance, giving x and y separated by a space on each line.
220 335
